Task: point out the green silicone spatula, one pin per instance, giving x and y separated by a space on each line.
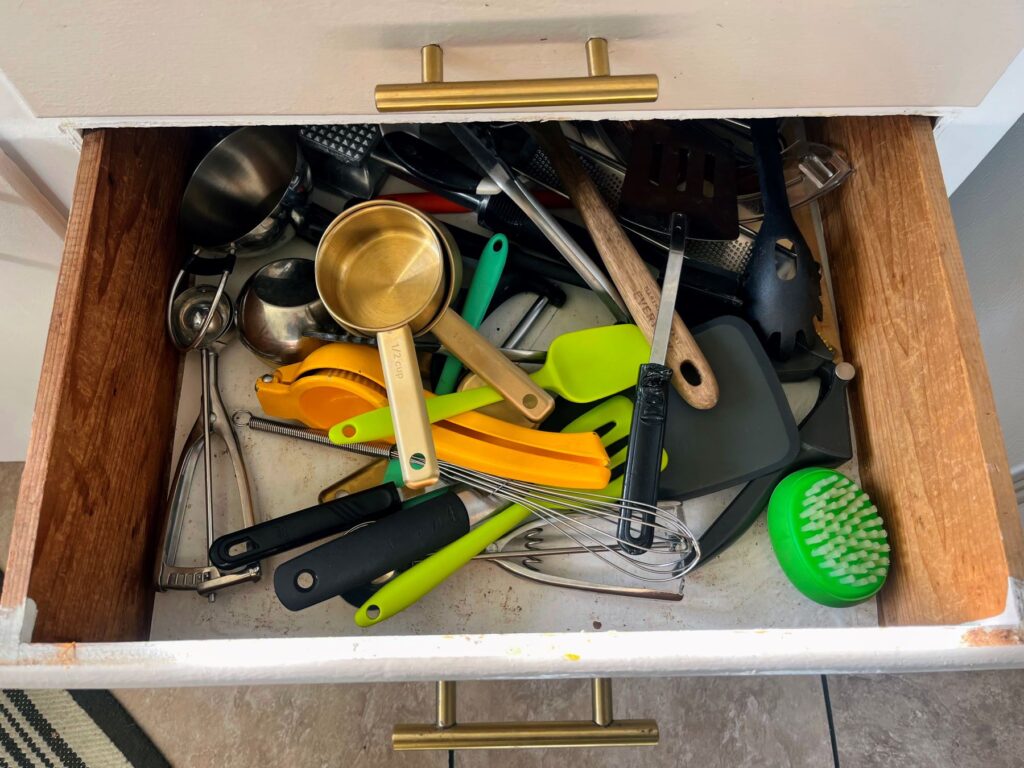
610 419
478 299
582 366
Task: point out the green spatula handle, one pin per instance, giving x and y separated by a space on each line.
478 299
376 425
611 418
409 586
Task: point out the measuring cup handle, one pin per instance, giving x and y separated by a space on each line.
408 411
480 356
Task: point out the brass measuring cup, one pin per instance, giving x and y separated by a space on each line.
377 276
478 354
383 265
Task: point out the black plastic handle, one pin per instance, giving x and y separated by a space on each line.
250 545
311 221
204 264
740 514
768 160
781 299
643 459
412 159
360 557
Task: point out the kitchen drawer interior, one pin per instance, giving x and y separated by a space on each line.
116 396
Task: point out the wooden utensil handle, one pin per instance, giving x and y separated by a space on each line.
477 354
408 411
692 376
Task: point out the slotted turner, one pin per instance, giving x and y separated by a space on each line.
675 168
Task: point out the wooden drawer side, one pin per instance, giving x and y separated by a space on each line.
92 493
929 444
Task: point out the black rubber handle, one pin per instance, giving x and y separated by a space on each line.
250 545
643 459
205 265
412 159
360 557
311 221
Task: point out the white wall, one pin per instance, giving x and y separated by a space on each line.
989 212
37 176
965 139
31 238
45 153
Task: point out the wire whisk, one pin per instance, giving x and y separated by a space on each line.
588 518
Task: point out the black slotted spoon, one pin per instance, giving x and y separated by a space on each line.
781 285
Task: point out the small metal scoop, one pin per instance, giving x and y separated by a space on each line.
188 314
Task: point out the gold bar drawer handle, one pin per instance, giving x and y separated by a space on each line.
599 87
602 731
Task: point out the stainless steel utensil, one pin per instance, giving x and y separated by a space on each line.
502 175
202 311
534 541
238 200
279 309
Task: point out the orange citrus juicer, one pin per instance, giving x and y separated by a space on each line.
340 380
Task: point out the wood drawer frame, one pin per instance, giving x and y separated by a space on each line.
930 450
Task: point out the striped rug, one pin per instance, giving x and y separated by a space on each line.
71 729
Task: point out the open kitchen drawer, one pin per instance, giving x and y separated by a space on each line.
92 498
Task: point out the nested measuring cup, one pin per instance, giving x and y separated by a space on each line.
383 266
378 274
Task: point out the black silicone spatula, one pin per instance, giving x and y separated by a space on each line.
781 288
650 411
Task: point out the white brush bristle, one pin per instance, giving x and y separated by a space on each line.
846 534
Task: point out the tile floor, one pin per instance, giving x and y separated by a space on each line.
943 720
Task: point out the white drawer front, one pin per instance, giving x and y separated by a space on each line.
311 57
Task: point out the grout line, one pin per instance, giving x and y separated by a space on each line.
831 721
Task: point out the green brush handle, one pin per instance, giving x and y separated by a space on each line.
478 299
409 586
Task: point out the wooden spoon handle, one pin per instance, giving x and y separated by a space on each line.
639 290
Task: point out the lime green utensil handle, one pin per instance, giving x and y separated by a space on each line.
478 299
409 586
376 425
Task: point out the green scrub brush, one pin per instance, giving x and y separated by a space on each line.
828 537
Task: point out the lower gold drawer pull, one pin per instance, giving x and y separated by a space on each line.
599 87
602 731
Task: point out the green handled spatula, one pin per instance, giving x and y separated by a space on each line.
478 299
610 419
582 366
